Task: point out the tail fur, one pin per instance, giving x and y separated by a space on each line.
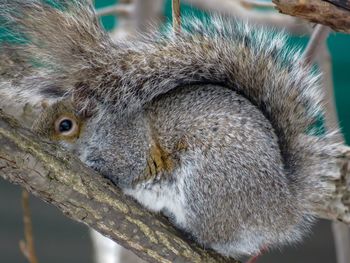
81 60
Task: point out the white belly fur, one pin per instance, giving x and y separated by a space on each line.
163 196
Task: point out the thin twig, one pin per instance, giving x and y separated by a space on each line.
341 241
255 17
176 13
118 9
318 36
252 3
27 245
324 62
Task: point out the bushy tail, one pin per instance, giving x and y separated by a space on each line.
259 65
81 60
53 40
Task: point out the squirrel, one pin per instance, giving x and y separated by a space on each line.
208 125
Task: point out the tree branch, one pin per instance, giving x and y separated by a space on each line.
27 245
318 37
337 207
257 3
269 19
59 178
118 9
176 14
329 13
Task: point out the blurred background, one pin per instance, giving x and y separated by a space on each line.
59 239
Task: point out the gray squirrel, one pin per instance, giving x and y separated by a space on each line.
208 126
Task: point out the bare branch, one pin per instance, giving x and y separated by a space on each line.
60 179
341 234
253 3
324 61
118 9
337 207
176 14
318 11
27 245
269 19
318 37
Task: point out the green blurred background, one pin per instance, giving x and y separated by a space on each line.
59 239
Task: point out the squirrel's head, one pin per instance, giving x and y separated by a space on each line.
106 143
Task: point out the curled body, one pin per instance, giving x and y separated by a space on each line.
205 157
207 126
216 188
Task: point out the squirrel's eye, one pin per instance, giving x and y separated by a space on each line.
66 126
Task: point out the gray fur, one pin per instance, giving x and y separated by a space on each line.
227 105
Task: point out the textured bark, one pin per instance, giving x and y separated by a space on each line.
57 177
333 13
337 208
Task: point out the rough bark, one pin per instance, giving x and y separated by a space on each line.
333 13
337 208
59 178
